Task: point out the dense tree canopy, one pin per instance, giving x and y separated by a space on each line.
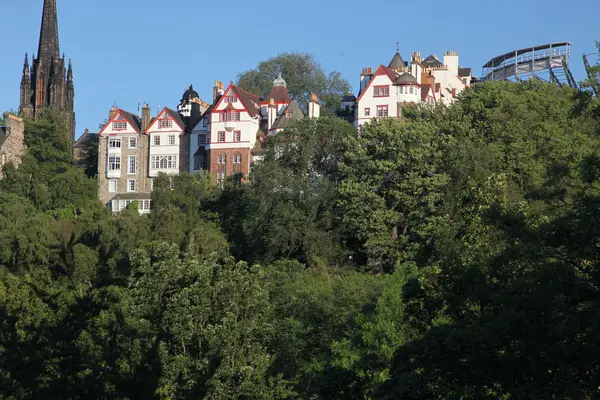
452 254
303 75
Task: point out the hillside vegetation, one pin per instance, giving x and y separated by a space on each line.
454 254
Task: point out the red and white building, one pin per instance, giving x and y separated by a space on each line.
231 133
386 91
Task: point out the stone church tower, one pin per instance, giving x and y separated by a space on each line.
48 85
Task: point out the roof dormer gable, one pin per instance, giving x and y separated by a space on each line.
122 122
166 121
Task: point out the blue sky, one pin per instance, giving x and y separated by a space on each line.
150 51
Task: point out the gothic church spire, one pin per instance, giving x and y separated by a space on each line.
48 47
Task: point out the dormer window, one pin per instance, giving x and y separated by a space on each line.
119 125
165 123
288 114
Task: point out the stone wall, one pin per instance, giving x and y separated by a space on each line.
143 181
13 149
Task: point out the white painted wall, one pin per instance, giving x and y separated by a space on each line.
164 149
367 100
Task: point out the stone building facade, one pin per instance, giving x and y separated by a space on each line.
12 141
123 161
48 84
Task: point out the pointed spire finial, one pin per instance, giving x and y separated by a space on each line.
48 46
70 71
397 47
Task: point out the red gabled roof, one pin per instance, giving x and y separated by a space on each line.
382 70
246 98
278 94
174 114
133 120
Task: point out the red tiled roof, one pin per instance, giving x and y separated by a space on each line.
248 100
278 94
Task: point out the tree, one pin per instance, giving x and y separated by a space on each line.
303 75
395 183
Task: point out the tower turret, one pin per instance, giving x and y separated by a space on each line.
48 83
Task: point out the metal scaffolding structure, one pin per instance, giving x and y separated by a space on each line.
548 62
594 77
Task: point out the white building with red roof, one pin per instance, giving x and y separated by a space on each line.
233 132
386 91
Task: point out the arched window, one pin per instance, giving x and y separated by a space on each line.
40 89
163 162
237 163
221 169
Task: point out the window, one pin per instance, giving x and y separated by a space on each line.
131 164
114 163
199 162
381 91
131 185
401 89
237 136
221 136
382 111
3 158
132 142
163 162
412 90
221 116
116 205
230 99
119 125
237 163
201 140
114 143
112 186
220 178
238 115
222 160
288 114
165 123
144 205
171 140
230 116
156 140
367 112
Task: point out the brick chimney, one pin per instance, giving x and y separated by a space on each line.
112 112
314 108
145 116
217 91
272 114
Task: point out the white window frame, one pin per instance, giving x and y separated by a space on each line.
163 162
119 125
131 186
144 205
114 142
133 140
113 185
131 162
156 140
171 140
113 164
165 124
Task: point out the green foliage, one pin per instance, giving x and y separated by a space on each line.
453 254
303 75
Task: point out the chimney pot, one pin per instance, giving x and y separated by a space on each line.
145 116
